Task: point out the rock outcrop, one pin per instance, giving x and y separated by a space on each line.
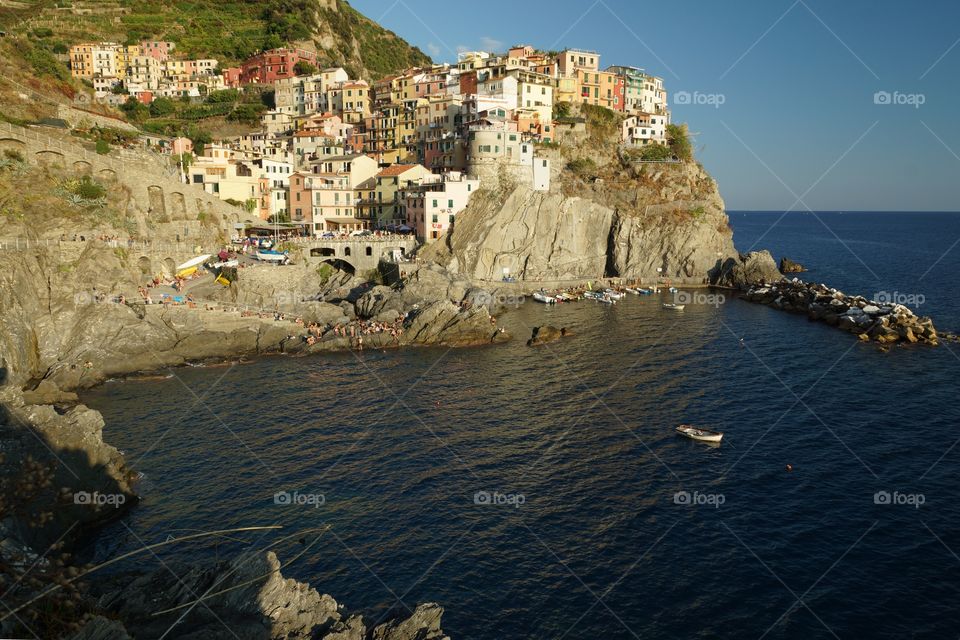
546 335
247 598
789 266
881 322
746 270
668 222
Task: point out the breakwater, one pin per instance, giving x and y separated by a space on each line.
885 323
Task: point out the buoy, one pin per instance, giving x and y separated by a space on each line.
789 467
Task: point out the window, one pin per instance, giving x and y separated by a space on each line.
435 219
435 206
451 219
450 204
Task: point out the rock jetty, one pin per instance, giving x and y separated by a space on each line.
870 320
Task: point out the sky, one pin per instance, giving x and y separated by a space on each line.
796 104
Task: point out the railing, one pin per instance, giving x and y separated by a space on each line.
54 144
25 244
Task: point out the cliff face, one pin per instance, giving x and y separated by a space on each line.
644 217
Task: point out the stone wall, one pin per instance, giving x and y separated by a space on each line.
151 193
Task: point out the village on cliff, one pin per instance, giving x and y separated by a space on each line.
337 155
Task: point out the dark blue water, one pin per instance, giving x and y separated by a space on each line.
400 443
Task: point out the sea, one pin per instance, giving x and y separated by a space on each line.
543 492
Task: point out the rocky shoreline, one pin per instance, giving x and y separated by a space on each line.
870 320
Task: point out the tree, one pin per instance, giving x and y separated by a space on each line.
655 152
118 89
162 107
678 137
304 68
135 110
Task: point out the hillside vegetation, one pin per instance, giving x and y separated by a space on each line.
39 33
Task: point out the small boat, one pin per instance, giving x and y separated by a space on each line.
195 262
704 435
674 307
225 263
632 291
272 256
544 298
673 289
645 292
616 295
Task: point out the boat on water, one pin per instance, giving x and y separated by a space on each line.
616 295
673 289
704 435
544 298
674 307
645 292
632 291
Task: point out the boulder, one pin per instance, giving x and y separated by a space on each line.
756 267
546 335
789 266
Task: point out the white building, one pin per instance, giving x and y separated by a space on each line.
431 208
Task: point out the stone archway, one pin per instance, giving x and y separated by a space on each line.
169 267
158 208
342 265
145 266
346 251
108 175
49 157
178 206
82 167
13 145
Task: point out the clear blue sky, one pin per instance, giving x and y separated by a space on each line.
797 80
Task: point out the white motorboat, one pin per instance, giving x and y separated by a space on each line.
674 307
616 295
704 435
632 291
544 298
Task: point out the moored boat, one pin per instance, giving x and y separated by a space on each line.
616 295
645 292
544 298
704 435
674 307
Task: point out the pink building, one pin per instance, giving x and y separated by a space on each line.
180 146
159 50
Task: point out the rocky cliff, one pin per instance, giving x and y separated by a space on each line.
628 220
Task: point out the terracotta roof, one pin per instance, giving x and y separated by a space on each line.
395 170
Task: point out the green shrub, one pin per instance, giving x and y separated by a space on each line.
653 152
103 147
583 167
13 154
678 137
43 32
223 95
162 107
89 189
304 68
